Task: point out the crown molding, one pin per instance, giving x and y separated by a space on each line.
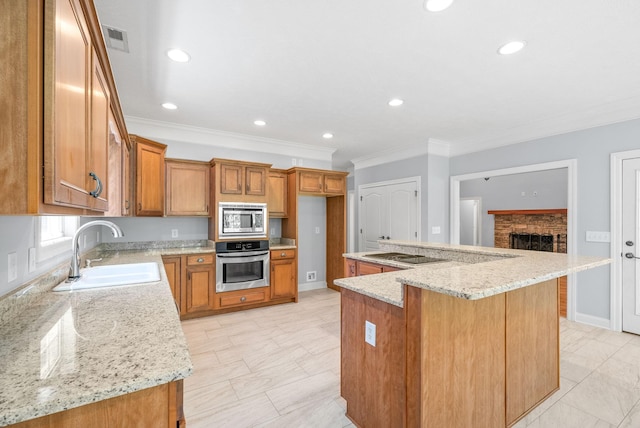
432 147
211 137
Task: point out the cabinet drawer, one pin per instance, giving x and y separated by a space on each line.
283 254
236 299
200 259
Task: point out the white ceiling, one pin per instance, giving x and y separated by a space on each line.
308 67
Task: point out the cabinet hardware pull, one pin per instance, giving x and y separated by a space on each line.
95 193
283 254
126 204
200 260
242 299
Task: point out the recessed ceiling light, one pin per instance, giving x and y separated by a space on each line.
511 47
169 106
178 55
259 122
396 102
437 5
327 135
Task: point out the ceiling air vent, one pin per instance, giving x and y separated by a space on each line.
116 39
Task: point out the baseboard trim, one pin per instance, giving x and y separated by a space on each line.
307 286
593 321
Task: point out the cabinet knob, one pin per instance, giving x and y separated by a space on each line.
200 260
242 299
283 254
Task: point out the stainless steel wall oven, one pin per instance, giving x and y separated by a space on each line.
241 265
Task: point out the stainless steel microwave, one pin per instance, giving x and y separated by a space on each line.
238 220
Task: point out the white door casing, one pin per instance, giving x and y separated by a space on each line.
389 210
617 241
629 250
471 221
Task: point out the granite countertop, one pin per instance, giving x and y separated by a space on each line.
67 349
470 272
282 244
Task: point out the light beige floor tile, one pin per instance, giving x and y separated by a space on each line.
245 326
632 420
247 349
576 367
269 378
263 360
323 386
241 414
596 350
599 398
629 353
566 385
214 374
318 363
321 414
612 337
204 360
206 398
561 415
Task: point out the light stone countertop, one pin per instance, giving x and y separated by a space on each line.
471 272
67 349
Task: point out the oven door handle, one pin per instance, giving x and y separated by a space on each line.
242 254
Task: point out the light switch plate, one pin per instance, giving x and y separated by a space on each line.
370 333
598 236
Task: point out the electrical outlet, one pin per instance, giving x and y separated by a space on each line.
300 162
174 233
598 236
317 229
12 267
273 231
32 259
370 333
435 230
294 161
311 275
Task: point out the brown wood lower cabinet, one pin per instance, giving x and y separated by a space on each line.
242 297
459 363
284 274
198 293
359 268
160 406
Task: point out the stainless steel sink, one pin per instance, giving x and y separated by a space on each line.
113 275
405 258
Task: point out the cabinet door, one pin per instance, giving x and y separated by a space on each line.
283 281
334 184
98 175
310 182
199 294
230 179
277 194
350 268
126 179
67 66
364 268
187 191
256 181
172 266
242 297
149 179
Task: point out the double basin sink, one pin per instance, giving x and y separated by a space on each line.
405 258
113 275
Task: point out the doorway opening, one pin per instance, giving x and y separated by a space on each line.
571 165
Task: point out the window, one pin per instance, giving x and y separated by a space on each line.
54 234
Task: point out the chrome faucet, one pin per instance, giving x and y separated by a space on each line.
74 270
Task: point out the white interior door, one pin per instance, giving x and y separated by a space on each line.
373 208
470 219
631 240
388 211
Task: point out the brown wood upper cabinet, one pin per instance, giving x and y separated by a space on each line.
55 135
149 164
277 193
237 181
187 188
321 182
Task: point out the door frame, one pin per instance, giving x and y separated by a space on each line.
478 199
572 210
616 236
415 179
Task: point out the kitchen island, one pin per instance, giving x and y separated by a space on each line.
468 341
99 357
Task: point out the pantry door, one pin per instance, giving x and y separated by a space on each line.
630 243
388 210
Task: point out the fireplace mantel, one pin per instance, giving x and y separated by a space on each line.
528 212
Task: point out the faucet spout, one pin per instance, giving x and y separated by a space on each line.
74 270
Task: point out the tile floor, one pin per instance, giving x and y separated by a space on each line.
280 367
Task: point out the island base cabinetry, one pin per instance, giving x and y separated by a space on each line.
459 363
160 406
